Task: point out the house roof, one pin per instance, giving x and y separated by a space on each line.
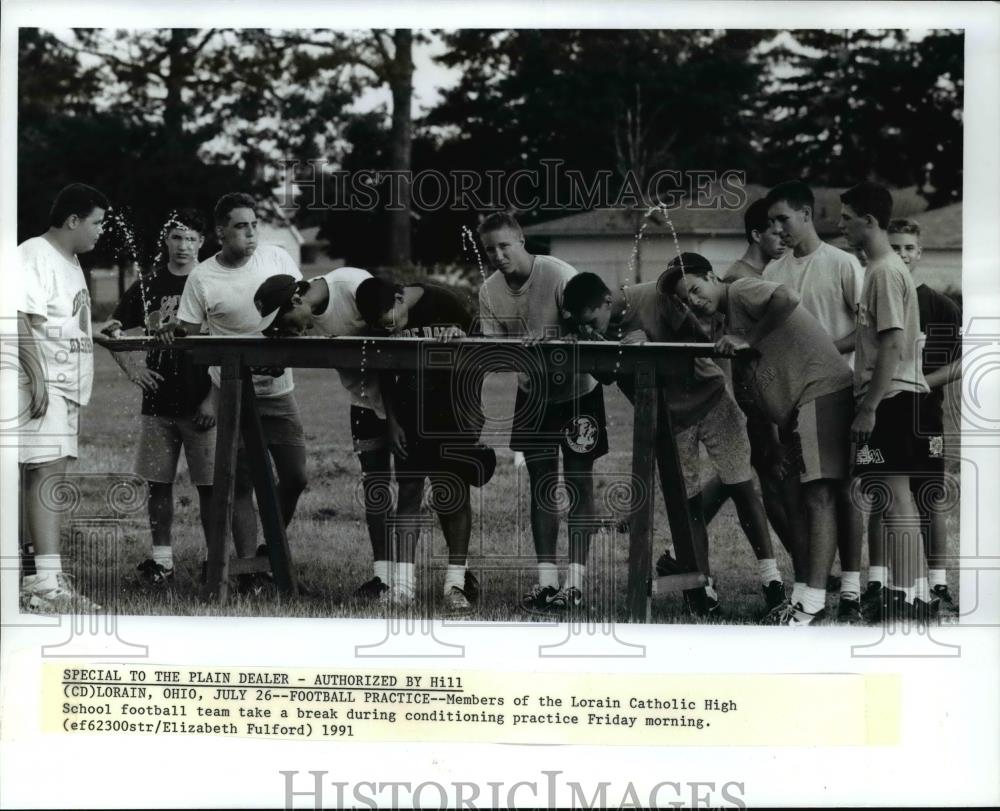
688 218
942 227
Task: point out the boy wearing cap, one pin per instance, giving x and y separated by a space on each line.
802 383
888 387
220 293
432 432
327 305
701 409
554 412
941 324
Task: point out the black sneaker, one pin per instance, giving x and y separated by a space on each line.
873 602
471 587
943 596
154 574
567 599
921 611
267 577
667 565
537 600
849 611
702 601
372 589
774 594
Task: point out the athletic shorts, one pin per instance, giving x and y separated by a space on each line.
931 436
160 443
53 436
280 421
896 446
817 439
723 433
577 426
369 431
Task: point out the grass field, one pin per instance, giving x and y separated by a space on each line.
329 540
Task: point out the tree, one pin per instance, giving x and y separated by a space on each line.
862 104
635 100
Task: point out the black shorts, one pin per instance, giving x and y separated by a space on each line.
578 426
895 447
931 434
368 430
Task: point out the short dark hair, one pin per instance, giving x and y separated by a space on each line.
687 264
498 220
794 192
76 198
375 297
229 202
870 198
755 218
583 292
904 226
190 218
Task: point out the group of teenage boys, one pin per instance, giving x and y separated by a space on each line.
794 312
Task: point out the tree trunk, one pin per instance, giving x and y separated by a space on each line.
401 138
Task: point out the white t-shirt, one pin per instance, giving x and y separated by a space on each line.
828 282
222 298
341 317
54 288
533 309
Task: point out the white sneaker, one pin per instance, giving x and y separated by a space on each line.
455 601
41 596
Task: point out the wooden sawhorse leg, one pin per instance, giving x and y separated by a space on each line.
652 433
220 523
237 409
267 494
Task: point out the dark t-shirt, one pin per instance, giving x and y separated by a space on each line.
941 323
184 385
429 391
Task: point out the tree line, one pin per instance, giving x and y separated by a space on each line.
170 117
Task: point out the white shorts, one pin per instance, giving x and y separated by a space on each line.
50 437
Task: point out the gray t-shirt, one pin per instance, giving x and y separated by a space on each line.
692 397
888 301
798 361
532 310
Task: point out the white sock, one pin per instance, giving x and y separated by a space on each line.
938 577
406 578
797 590
879 574
813 600
910 593
922 589
46 568
454 578
850 585
548 575
382 570
574 576
164 555
768 570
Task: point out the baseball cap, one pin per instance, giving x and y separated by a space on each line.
274 293
688 261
